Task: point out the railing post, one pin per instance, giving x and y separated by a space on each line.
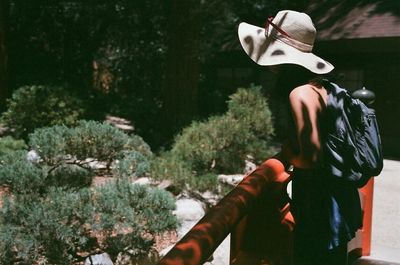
361 244
367 193
264 236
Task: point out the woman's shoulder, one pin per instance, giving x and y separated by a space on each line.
302 92
308 93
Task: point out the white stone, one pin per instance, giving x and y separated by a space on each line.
232 180
124 127
165 184
249 166
99 259
142 181
210 197
33 156
120 123
95 164
189 209
188 212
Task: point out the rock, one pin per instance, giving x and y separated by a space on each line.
249 166
232 180
142 181
99 259
120 123
33 156
128 259
188 212
94 164
169 186
124 127
3 129
210 198
189 209
165 184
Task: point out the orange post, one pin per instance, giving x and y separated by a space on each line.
361 244
367 193
264 235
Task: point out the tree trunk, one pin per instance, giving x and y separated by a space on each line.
182 65
4 92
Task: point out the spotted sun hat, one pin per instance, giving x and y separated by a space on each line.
288 38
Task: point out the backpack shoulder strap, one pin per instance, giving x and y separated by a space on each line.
333 88
337 96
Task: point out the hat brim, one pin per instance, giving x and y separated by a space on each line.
268 51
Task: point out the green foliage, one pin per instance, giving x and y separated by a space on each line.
209 182
169 167
69 176
223 143
89 141
8 144
20 174
63 224
98 140
52 215
49 227
39 106
219 145
133 164
66 155
145 203
50 144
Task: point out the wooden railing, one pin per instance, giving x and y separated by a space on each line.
201 241
256 214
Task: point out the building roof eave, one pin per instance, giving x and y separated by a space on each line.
355 19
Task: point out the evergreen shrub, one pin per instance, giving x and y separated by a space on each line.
87 143
52 216
45 228
64 226
133 164
32 107
222 143
209 182
183 178
8 143
21 175
168 167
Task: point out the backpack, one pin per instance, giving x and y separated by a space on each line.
352 148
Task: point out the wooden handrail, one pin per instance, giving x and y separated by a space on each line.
257 215
200 242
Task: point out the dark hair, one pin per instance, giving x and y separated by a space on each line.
291 76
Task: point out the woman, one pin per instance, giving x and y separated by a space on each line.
326 213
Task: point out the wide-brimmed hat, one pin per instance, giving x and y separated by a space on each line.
288 38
